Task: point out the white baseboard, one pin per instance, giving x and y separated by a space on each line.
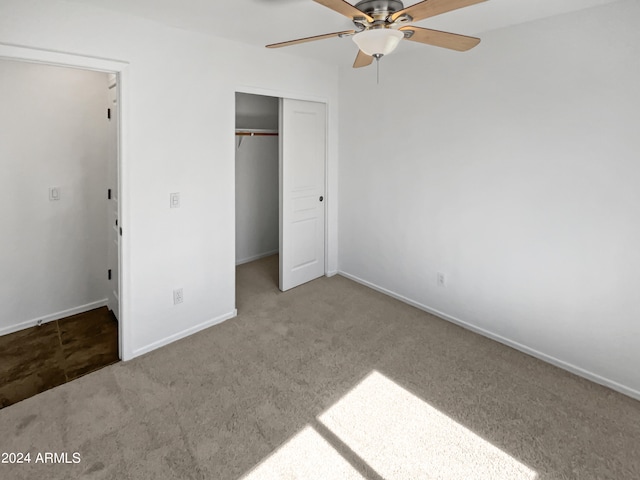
499 338
256 257
52 317
332 273
184 333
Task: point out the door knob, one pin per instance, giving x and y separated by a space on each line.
321 198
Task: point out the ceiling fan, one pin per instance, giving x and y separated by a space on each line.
381 24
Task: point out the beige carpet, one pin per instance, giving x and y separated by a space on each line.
329 380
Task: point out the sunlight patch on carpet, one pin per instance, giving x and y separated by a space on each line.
306 456
400 436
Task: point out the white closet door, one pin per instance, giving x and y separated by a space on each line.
302 184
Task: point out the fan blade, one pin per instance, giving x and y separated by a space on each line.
431 8
441 39
310 39
344 8
362 60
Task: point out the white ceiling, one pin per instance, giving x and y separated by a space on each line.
259 22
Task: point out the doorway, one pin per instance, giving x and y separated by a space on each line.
60 154
280 186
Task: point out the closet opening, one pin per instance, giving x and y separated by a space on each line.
257 190
280 192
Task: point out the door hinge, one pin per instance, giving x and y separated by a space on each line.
108 114
109 274
109 194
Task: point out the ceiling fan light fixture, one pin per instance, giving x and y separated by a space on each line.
378 41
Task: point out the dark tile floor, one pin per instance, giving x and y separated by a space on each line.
39 358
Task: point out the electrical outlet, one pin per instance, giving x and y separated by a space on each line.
441 280
177 296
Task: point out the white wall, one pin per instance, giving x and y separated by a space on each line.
53 133
256 111
181 139
256 198
512 169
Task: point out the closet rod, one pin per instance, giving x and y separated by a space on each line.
257 134
241 133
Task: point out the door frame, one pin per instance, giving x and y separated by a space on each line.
291 96
121 70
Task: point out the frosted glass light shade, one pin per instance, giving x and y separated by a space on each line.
379 41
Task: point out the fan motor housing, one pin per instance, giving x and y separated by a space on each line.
371 7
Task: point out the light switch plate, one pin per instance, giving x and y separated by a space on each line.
54 193
174 200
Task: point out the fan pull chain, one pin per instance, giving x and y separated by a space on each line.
377 56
